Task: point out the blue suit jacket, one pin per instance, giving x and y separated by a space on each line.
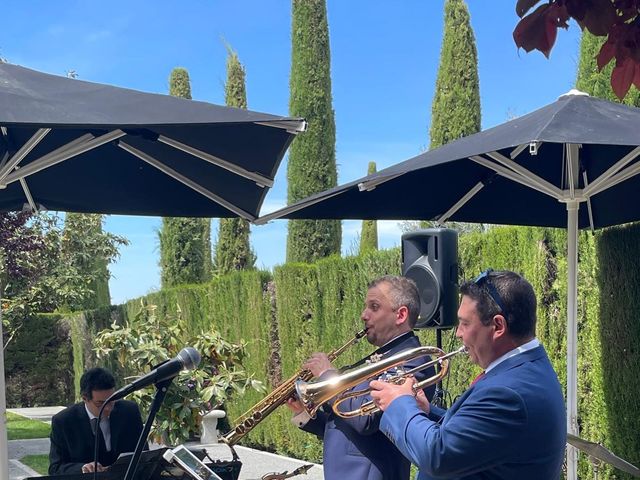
510 425
354 448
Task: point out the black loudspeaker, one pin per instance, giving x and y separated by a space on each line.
430 258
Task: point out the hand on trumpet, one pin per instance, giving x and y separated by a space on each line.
384 393
318 364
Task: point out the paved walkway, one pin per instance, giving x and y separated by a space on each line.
255 463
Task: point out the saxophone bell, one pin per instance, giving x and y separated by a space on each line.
279 396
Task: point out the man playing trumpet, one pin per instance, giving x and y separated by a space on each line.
354 448
511 422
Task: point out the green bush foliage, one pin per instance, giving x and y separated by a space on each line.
89 250
147 340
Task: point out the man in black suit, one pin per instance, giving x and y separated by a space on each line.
73 430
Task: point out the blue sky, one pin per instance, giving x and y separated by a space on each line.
384 61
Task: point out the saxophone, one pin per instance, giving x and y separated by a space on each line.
277 397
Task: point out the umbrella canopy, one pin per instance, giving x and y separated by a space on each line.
538 170
77 146
525 161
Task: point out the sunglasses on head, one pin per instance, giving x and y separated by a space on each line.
484 281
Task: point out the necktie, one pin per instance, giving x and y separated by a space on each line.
479 377
98 431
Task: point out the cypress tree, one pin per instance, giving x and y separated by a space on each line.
369 232
312 162
81 238
233 250
598 84
185 243
455 111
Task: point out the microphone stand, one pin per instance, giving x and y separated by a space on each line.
161 392
438 395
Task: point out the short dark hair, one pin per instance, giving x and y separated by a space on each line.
403 292
96 379
516 295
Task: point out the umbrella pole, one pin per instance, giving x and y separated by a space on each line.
572 335
4 445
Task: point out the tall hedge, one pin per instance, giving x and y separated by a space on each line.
455 111
233 250
312 158
617 333
185 243
369 231
38 361
610 383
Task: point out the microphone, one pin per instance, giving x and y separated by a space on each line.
187 359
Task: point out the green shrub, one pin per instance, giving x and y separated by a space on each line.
147 340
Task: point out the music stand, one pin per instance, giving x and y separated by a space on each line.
599 452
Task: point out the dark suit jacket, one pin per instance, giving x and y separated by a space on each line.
510 425
354 448
72 440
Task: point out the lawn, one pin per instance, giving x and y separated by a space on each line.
20 428
40 463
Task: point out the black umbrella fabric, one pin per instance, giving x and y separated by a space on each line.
516 173
535 170
77 146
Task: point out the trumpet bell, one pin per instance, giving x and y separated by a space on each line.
336 389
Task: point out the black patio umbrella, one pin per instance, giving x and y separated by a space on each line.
77 146
535 170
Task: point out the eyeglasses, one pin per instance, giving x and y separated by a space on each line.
485 280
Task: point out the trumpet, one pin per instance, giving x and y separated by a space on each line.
277 397
315 393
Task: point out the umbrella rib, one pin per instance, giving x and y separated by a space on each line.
372 184
65 153
520 170
184 180
27 193
589 209
298 125
293 208
505 172
572 168
611 172
460 203
260 179
23 152
616 179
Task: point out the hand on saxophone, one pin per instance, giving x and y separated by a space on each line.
318 364
384 393
294 405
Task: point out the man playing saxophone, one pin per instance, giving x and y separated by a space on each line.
354 448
